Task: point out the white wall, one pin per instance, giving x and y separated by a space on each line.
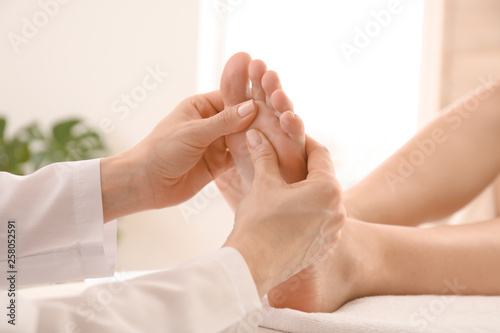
91 52
361 102
363 107
79 62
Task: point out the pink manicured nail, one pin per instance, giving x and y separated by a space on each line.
253 138
246 108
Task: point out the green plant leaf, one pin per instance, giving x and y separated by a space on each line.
62 131
38 159
3 123
14 154
33 132
20 151
30 148
4 158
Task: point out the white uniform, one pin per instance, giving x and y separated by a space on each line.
51 222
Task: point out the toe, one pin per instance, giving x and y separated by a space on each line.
293 125
270 82
235 84
256 71
280 101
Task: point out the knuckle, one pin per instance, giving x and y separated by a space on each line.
202 102
331 191
330 195
323 149
224 119
195 101
341 216
337 236
263 154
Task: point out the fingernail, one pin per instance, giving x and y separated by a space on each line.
246 108
253 138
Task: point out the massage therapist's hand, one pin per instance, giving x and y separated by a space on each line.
281 228
177 159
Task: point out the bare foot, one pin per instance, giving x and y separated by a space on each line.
275 117
335 279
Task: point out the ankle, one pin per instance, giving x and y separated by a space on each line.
362 252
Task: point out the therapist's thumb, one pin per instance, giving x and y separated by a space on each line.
264 158
232 119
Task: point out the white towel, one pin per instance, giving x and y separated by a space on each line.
391 314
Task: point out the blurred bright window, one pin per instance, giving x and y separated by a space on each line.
351 67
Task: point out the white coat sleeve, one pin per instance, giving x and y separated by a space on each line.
213 293
52 223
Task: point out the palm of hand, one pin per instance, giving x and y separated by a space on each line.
179 162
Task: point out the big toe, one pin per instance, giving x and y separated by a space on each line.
235 83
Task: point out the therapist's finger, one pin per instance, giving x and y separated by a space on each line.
207 104
231 120
264 158
319 160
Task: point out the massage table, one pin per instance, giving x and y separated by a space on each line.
384 314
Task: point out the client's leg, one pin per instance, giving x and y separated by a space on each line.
438 171
497 194
376 259
459 157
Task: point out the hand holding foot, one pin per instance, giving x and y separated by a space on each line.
296 224
312 288
178 158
